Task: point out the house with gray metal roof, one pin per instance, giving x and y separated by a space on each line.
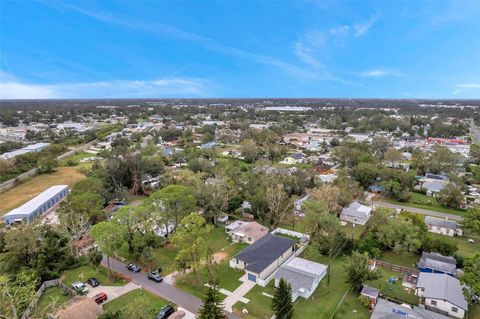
388 310
437 263
443 226
442 293
263 257
356 213
303 275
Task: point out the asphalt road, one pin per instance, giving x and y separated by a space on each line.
475 131
418 210
163 290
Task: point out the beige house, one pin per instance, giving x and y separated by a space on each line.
246 232
443 226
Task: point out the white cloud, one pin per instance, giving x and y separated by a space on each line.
171 87
464 87
375 73
361 29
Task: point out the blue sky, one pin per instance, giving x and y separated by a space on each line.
384 49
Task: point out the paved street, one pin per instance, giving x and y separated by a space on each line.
163 290
418 210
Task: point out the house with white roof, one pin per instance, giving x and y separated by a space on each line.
37 205
303 275
441 293
356 213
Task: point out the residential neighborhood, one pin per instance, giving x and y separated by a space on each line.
251 209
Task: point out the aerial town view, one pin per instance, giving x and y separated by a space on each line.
239 159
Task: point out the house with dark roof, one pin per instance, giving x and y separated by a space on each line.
262 258
443 226
303 275
441 293
437 263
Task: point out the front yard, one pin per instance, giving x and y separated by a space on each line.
131 299
422 201
82 273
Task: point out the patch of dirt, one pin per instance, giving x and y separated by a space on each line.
220 256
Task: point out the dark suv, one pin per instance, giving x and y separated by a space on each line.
165 312
93 282
133 267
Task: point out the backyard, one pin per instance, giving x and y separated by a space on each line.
20 194
401 260
393 289
51 300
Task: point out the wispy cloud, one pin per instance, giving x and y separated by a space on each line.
376 73
171 87
203 41
464 87
361 29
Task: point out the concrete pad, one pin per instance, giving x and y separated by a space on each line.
112 291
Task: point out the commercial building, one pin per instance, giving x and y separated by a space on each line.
37 205
27 149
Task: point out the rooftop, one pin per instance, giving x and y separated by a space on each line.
442 287
38 200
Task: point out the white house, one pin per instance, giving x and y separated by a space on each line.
356 213
443 226
441 293
262 258
303 275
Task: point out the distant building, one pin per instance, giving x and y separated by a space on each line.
27 149
356 213
37 205
443 226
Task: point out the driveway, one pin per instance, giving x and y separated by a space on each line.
111 291
418 210
163 290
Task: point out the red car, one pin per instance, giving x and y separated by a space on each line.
100 298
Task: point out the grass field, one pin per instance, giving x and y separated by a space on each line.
75 158
82 273
394 258
51 300
351 308
393 290
22 193
422 201
464 247
132 298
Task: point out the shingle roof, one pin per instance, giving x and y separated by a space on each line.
388 310
264 252
438 262
434 221
443 287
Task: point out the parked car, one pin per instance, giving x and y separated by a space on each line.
165 312
80 287
100 298
155 276
93 282
133 267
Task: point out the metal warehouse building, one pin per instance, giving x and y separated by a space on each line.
37 205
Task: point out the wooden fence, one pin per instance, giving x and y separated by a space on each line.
394 267
46 284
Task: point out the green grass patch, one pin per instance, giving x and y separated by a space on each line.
352 308
50 301
393 290
354 232
131 298
464 247
259 305
422 201
82 274
75 159
402 260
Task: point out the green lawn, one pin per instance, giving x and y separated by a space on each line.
131 298
354 232
82 273
422 201
75 158
393 290
474 312
228 277
464 247
51 300
351 308
394 258
322 303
